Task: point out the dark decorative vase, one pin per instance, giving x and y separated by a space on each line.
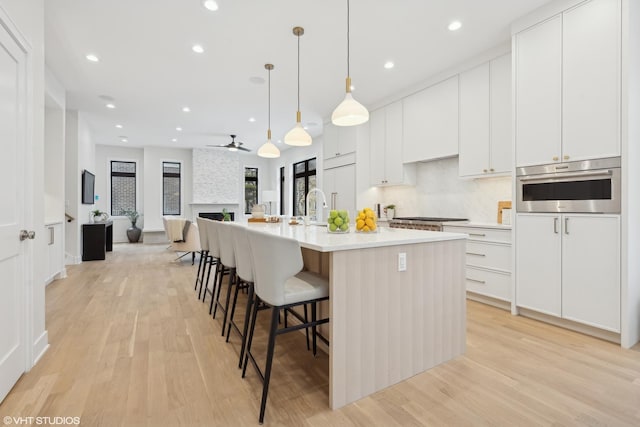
133 233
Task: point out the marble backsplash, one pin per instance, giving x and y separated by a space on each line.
439 192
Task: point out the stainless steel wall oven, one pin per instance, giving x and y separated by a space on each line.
588 186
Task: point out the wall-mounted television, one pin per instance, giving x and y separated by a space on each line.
88 187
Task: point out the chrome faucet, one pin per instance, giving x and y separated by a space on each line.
324 202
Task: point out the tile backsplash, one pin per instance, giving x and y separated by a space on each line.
439 192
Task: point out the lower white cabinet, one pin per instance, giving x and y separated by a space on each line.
569 266
55 251
488 260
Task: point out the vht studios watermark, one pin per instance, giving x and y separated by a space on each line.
41 421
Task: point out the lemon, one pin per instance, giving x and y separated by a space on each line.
370 223
365 228
359 224
370 214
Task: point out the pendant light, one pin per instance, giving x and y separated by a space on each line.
298 136
268 149
350 112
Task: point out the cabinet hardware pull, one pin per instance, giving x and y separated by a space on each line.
491 170
555 158
477 234
566 225
566 157
473 253
51 236
475 280
484 170
555 225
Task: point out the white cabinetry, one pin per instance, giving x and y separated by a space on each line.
485 119
568 86
385 147
339 185
339 143
488 264
430 122
569 266
55 251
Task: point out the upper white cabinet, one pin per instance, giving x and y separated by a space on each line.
569 266
485 119
591 80
385 148
430 122
338 140
568 86
538 77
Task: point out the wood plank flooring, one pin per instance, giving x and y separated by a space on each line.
132 346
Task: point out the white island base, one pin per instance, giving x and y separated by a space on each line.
386 325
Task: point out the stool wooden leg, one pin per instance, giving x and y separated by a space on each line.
270 350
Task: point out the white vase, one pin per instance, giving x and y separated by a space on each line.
391 213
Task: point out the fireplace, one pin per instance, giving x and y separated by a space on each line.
216 216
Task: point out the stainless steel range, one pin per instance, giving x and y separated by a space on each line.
421 223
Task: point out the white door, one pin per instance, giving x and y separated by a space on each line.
539 262
12 186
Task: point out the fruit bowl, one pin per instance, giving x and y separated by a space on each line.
338 221
366 221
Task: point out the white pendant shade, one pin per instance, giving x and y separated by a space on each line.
349 113
269 150
297 136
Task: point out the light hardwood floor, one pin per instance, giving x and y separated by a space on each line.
132 346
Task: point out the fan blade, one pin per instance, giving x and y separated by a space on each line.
219 146
243 149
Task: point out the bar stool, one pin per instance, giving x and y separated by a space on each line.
204 254
214 253
227 261
280 282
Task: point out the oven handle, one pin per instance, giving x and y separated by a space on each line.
566 176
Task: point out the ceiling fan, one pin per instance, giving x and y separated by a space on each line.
232 146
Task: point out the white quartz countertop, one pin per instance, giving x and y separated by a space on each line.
477 225
317 238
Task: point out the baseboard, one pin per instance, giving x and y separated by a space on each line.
72 260
504 305
571 325
154 237
40 347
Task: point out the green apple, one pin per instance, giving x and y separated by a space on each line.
338 221
343 214
333 213
333 227
344 227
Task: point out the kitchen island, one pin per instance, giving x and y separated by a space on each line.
385 325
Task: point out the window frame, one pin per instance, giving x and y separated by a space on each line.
110 174
305 174
179 176
244 188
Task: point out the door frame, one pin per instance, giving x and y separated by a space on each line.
26 133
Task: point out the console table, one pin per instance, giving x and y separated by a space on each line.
97 240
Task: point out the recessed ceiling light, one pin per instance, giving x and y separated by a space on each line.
455 25
93 58
279 141
124 139
174 140
110 105
252 119
119 126
389 65
186 109
179 129
197 48
210 4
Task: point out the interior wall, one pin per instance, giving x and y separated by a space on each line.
104 155
440 193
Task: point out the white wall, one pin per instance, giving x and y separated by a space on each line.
79 155
440 193
28 17
104 155
152 178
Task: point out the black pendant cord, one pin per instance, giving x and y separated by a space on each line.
348 49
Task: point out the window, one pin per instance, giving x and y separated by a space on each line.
304 179
170 188
123 187
250 189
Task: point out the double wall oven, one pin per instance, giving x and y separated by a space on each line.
589 186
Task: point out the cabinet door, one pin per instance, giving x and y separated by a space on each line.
430 122
538 77
340 186
377 136
474 121
591 270
393 166
347 139
538 263
500 105
329 141
591 81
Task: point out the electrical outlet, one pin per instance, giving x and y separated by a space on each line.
402 261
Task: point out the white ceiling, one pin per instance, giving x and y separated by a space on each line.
148 68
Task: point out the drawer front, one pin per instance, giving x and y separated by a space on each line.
482 234
489 283
489 255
